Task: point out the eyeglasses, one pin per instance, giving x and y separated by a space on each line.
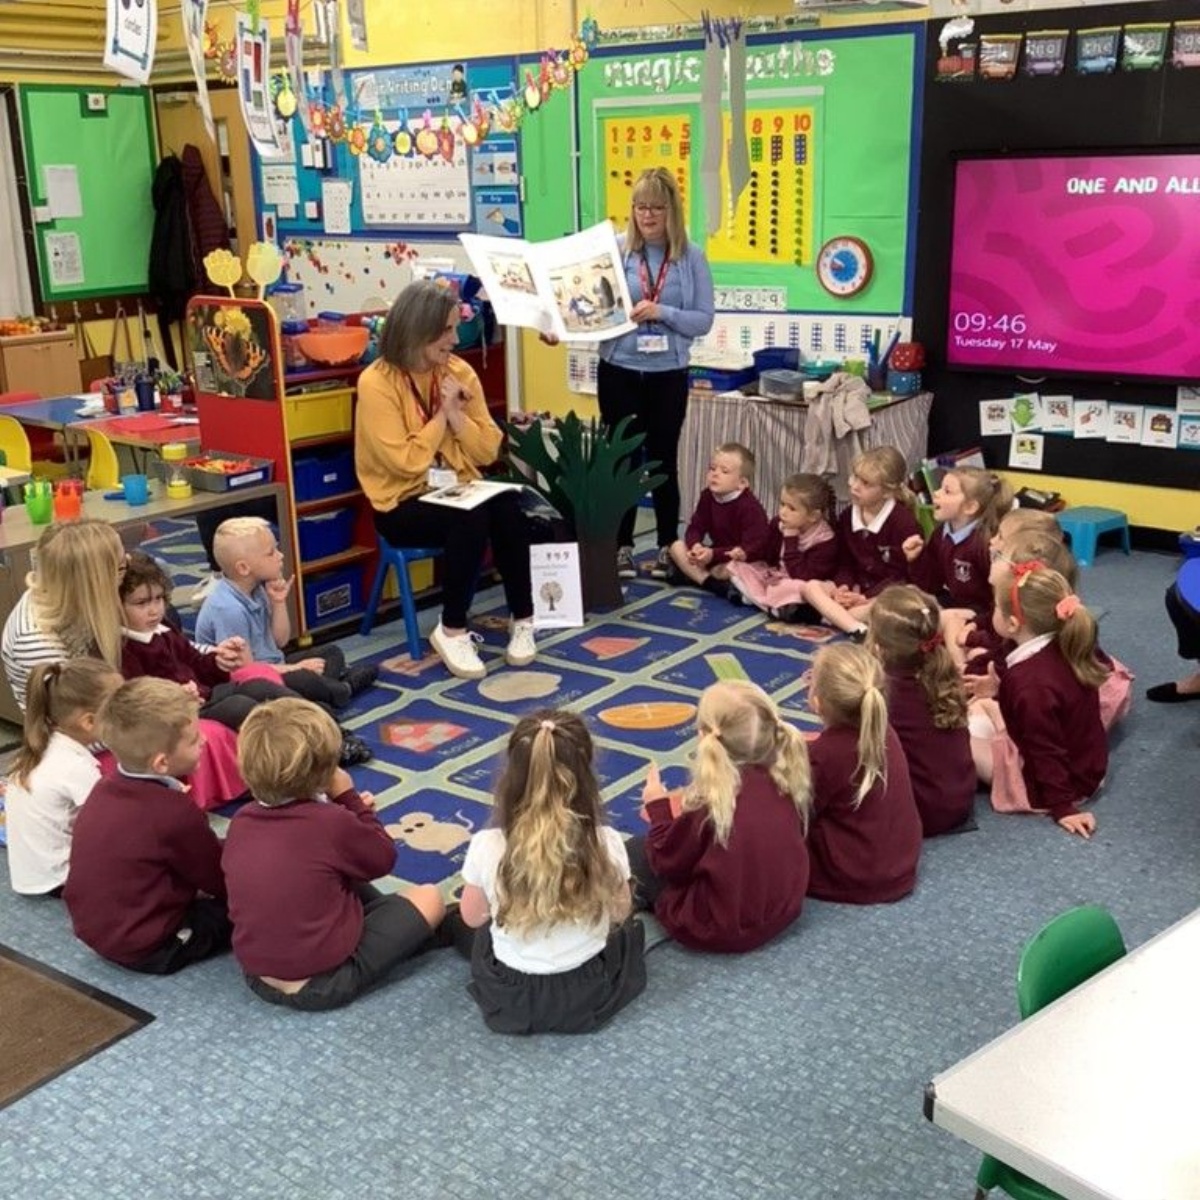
646 209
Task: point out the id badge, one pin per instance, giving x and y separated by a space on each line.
652 343
440 477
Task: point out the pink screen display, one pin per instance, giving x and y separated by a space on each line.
1088 264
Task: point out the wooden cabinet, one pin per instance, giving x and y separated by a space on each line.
45 363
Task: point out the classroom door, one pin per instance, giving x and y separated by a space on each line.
227 164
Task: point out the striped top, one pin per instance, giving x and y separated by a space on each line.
24 646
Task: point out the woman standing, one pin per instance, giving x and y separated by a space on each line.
422 423
644 374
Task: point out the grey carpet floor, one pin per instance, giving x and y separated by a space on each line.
793 1072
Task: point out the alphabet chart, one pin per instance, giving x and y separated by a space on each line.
413 190
633 144
773 220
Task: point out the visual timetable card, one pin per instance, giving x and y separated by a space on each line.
633 144
773 219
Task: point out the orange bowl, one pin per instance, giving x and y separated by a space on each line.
334 346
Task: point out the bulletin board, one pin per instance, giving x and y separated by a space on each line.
832 134
410 193
105 249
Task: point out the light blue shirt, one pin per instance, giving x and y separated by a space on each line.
228 612
958 536
687 310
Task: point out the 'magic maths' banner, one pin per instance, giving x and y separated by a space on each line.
1077 264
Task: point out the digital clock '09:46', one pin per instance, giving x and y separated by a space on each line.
977 322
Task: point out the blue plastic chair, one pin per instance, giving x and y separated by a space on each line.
399 557
1083 526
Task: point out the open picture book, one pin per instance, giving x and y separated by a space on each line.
573 287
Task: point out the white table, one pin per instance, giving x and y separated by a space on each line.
1098 1095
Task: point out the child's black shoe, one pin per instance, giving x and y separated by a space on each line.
361 677
355 751
858 636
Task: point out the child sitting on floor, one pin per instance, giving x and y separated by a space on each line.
1048 746
871 531
728 870
801 548
927 706
864 836
728 526
251 602
310 932
54 771
547 888
145 888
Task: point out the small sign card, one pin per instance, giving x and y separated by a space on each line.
994 418
1091 418
1160 428
1025 451
1058 414
1125 423
557 588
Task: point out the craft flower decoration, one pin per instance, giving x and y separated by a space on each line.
317 118
356 140
335 124
379 141
236 355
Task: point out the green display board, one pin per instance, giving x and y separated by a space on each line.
830 134
105 155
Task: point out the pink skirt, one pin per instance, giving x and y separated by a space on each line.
1116 694
216 779
765 586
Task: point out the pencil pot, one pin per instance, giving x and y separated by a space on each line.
143 389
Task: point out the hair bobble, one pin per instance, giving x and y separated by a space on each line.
1021 572
930 644
1067 607
550 725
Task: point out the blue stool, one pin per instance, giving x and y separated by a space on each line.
1083 525
399 557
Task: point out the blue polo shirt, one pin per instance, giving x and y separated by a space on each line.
228 612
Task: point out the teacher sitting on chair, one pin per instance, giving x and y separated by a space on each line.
422 424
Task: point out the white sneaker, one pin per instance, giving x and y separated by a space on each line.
458 653
522 649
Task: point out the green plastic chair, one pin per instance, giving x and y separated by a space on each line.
1069 950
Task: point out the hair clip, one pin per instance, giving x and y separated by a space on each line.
1067 607
1022 570
930 644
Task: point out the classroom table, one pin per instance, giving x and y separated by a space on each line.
56 413
775 432
1095 1096
135 523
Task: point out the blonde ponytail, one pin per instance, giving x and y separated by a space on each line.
848 685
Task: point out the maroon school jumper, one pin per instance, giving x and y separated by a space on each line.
740 522
958 571
1054 721
819 561
291 872
735 897
169 655
864 855
871 561
940 765
140 853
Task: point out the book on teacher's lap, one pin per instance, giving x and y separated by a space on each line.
470 494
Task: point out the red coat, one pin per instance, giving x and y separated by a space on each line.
958 571
818 561
741 522
872 561
868 854
735 897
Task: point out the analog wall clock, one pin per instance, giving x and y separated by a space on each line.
844 266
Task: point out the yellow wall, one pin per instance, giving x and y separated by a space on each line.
1149 507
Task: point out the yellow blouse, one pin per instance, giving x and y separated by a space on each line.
392 449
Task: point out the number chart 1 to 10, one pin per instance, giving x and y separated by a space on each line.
635 144
773 220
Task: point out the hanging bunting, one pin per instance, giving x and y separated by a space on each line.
254 86
379 140
195 37
293 51
130 37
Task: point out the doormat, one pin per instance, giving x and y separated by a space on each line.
53 1023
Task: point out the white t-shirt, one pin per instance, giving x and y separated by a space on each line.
41 816
543 951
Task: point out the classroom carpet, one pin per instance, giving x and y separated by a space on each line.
52 1023
635 673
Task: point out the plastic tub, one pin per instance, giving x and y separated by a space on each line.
781 384
776 357
329 473
332 596
325 534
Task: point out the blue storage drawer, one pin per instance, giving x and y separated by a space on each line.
324 534
333 596
316 476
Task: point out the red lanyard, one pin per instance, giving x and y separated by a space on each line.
648 293
427 410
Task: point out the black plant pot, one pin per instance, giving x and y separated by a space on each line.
598 571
